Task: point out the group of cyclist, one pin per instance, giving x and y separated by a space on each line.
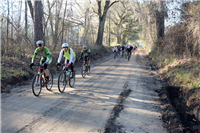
70 55
66 52
125 49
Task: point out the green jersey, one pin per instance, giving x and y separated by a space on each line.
85 53
45 53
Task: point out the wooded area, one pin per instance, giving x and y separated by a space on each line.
95 22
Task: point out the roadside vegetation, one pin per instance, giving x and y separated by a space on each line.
176 57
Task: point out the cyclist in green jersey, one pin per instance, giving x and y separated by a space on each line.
69 54
46 57
85 52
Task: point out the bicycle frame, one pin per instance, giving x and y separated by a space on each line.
40 73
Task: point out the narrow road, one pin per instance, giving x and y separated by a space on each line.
118 96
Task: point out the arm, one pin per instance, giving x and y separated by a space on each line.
49 55
71 56
60 56
34 56
88 54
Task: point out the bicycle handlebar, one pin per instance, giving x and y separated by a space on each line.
36 65
62 65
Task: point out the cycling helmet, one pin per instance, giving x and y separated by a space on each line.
84 46
64 45
39 42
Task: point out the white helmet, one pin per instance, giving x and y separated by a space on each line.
40 42
64 45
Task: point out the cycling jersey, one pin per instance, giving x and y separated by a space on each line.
69 55
115 49
45 53
86 53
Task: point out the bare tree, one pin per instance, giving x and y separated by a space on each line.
102 19
31 8
7 34
38 25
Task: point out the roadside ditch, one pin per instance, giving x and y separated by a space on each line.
177 116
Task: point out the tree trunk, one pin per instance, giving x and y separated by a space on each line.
102 19
26 23
38 25
7 34
198 45
160 25
63 22
31 8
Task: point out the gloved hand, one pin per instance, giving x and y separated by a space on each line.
32 64
69 65
57 64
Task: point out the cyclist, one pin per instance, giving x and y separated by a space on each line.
123 50
129 49
115 49
46 57
70 57
85 52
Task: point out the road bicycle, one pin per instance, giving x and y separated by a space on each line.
122 53
66 76
85 68
39 81
115 54
125 54
129 55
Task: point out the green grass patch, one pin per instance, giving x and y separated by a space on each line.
194 85
166 61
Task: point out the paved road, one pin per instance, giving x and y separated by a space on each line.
118 96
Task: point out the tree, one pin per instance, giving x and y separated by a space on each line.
102 18
38 25
125 23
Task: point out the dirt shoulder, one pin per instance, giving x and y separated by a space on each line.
180 106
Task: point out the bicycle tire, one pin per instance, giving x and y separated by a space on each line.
50 83
36 85
88 70
72 79
83 72
62 82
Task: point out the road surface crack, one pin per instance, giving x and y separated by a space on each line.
111 125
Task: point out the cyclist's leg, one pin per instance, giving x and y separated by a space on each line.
46 70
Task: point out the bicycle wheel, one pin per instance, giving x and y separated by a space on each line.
72 79
50 83
37 85
128 56
62 82
83 72
88 70
114 55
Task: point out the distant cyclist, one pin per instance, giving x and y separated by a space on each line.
129 49
46 57
115 49
123 49
70 57
85 53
